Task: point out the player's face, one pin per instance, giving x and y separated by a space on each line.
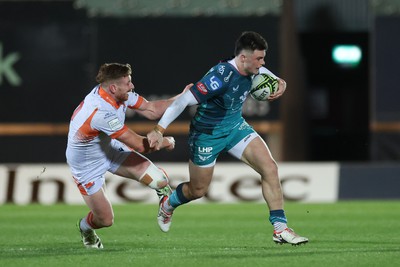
124 86
253 61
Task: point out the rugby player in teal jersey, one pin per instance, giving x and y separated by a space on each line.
218 126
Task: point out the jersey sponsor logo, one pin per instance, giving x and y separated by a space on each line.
108 115
226 79
204 153
205 150
221 69
202 88
204 158
243 97
115 124
213 83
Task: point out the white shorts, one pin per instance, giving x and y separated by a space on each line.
237 150
90 177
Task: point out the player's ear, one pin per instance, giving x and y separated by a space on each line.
112 87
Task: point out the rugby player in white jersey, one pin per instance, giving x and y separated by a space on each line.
99 141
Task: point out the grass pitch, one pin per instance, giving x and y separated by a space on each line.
341 234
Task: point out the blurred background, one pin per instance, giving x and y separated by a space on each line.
339 57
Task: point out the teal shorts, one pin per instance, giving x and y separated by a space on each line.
204 149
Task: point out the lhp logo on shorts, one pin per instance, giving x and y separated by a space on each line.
205 153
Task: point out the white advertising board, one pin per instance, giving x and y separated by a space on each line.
232 182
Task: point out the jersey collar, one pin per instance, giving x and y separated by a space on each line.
233 63
103 94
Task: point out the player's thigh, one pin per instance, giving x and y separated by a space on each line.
99 203
258 156
133 166
200 177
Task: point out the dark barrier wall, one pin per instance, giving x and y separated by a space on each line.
386 93
367 181
50 54
385 107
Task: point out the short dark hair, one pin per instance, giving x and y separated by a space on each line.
249 40
113 71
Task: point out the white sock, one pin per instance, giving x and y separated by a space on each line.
279 226
84 225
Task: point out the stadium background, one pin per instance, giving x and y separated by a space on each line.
346 117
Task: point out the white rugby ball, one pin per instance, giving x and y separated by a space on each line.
263 85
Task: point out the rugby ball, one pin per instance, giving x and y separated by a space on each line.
263 85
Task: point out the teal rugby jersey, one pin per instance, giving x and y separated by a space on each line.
221 94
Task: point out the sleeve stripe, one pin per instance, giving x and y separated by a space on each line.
119 132
138 103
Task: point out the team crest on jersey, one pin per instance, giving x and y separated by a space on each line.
202 88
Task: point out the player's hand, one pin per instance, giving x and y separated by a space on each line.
169 142
187 87
155 138
280 91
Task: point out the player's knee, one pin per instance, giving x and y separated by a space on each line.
270 167
273 166
154 177
269 172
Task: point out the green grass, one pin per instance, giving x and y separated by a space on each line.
342 234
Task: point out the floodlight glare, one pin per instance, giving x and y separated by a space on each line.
346 55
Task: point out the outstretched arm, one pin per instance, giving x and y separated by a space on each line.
173 111
153 110
140 143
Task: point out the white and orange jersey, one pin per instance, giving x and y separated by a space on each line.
94 125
